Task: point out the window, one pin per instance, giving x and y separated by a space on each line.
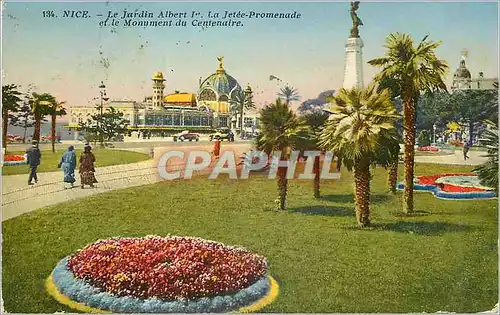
208 95
177 120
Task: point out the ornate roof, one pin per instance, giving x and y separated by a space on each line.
220 82
180 98
462 72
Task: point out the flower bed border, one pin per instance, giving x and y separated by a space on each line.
438 193
9 163
79 295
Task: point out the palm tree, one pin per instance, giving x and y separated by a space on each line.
41 104
361 127
10 103
55 110
280 131
241 101
488 172
289 94
413 69
315 120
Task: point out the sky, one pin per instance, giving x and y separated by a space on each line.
70 57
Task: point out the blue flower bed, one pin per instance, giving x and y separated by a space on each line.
80 291
451 195
465 195
7 163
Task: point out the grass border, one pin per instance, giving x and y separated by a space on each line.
63 299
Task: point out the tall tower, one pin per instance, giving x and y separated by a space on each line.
353 72
158 87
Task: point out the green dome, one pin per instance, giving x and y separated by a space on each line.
221 83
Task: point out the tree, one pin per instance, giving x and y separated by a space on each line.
433 108
241 101
361 128
471 107
315 120
56 109
488 172
413 70
316 104
40 105
24 117
10 103
108 126
280 131
289 94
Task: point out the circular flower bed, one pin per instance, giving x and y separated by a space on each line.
453 186
162 275
12 159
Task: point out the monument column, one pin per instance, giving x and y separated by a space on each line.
353 72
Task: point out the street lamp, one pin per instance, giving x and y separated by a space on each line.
434 127
104 98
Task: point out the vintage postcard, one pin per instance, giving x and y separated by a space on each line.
268 157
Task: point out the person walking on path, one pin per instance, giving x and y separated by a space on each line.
87 168
34 156
466 150
68 165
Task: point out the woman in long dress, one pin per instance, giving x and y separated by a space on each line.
68 165
87 168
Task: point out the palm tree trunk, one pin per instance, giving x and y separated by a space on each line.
53 131
5 120
409 159
282 187
393 177
362 193
339 163
36 132
316 170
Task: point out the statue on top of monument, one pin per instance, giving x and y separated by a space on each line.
356 21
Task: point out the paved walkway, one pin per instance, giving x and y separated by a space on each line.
19 198
476 158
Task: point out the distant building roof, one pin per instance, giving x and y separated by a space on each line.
183 98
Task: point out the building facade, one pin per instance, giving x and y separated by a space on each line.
462 79
209 109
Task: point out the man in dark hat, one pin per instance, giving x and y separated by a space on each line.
34 156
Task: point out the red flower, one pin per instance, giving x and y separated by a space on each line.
11 158
431 180
167 268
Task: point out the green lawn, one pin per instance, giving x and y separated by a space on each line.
442 259
104 157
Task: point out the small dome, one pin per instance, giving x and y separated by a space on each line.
158 76
462 72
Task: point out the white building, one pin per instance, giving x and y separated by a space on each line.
462 79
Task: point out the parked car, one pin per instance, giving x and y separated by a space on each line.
186 135
222 134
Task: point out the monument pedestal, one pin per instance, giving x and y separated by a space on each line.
353 73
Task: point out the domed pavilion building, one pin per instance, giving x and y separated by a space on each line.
161 115
215 93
